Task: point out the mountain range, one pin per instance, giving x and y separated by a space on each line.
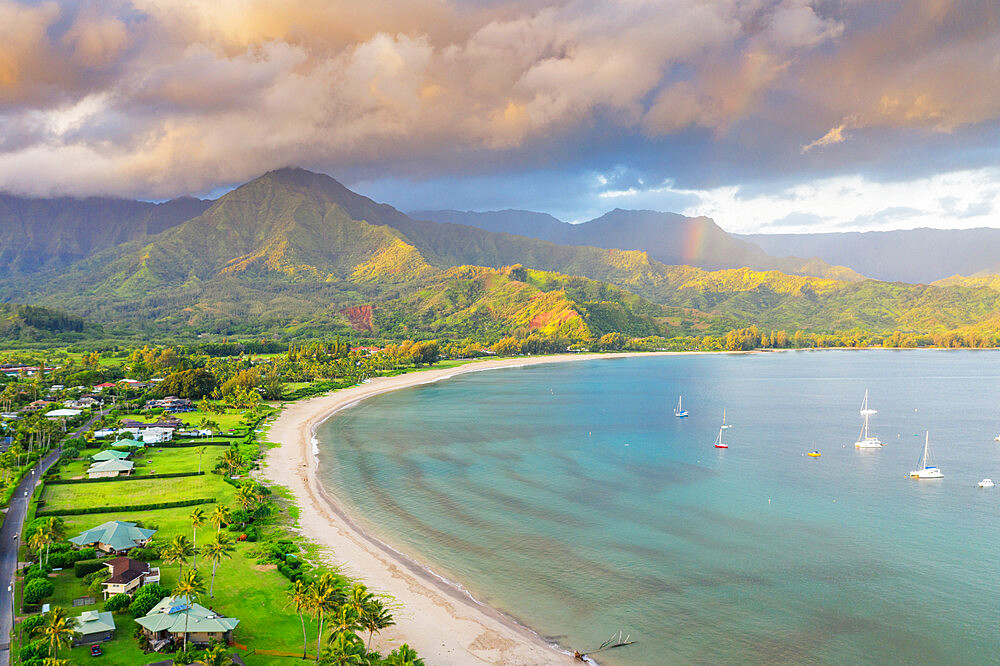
297 253
912 255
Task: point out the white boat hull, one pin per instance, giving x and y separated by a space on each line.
927 473
871 443
986 483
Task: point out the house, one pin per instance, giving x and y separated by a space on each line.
110 468
109 454
135 427
114 537
100 387
127 443
171 404
94 627
62 413
128 575
157 435
173 616
104 432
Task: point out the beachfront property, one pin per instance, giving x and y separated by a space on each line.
110 454
110 468
105 432
114 537
128 443
171 404
94 627
172 617
128 575
156 435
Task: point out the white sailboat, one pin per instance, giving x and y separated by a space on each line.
867 440
725 426
719 443
679 411
926 470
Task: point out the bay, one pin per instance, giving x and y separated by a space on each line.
569 497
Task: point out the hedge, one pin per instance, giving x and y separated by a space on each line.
181 445
171 475
86 567
125 508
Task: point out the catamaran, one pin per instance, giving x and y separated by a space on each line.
719 443
926 470
866 439
679 411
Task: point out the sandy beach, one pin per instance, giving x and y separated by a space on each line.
439 620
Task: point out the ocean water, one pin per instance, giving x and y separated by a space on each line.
570 497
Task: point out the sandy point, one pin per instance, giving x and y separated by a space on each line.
439 620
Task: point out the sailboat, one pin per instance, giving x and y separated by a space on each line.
679 411
926 470
867 440
719 443
725 426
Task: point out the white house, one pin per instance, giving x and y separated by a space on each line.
157 435
107 468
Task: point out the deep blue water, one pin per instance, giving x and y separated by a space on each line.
569 496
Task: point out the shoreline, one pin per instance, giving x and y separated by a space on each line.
439 618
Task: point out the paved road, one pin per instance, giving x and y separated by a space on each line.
12 525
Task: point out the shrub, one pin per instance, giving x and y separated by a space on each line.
60 560
84 567
36 571
117 603
97 579
33 651
146 553
147 597
38 589
30 623
253 534
99 574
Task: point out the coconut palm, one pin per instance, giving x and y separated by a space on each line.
215 656
178 550
232 460
215 550
201 452
197 518
221 516
189 586
343 649
58 629
298 596
323 598
39 539
52 661
375 617
404 655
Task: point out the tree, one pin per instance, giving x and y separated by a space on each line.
343 649
324 597
191 384
215 550
197 518
220 516
404 655
374 618
177 551
298 596
58 629
232 460
37 589
214 656
188 586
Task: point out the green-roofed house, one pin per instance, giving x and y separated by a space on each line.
109 468
170 619
114 537
108 454
128 443
94 627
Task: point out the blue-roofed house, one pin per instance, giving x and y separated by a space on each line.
114 537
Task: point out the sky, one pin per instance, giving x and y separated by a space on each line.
774 116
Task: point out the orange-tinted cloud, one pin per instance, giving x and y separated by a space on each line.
162 97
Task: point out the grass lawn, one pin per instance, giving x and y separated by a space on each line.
230 420
152 460
141 491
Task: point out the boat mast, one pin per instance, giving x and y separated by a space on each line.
927 445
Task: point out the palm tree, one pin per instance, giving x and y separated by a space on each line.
232 460
38 540
215 656
324 596
298 597
189 586
345 620
58 629
221 516
52 661
215 550
404 655
374 618
178 551
344 649
201 452
197 518
56 530
245 497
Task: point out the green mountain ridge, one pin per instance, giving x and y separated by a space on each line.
291 250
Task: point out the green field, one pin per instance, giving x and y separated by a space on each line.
142 491
152 460
230 420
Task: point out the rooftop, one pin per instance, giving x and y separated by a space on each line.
115 533
171 614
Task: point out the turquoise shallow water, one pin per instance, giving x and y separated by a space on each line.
570 497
